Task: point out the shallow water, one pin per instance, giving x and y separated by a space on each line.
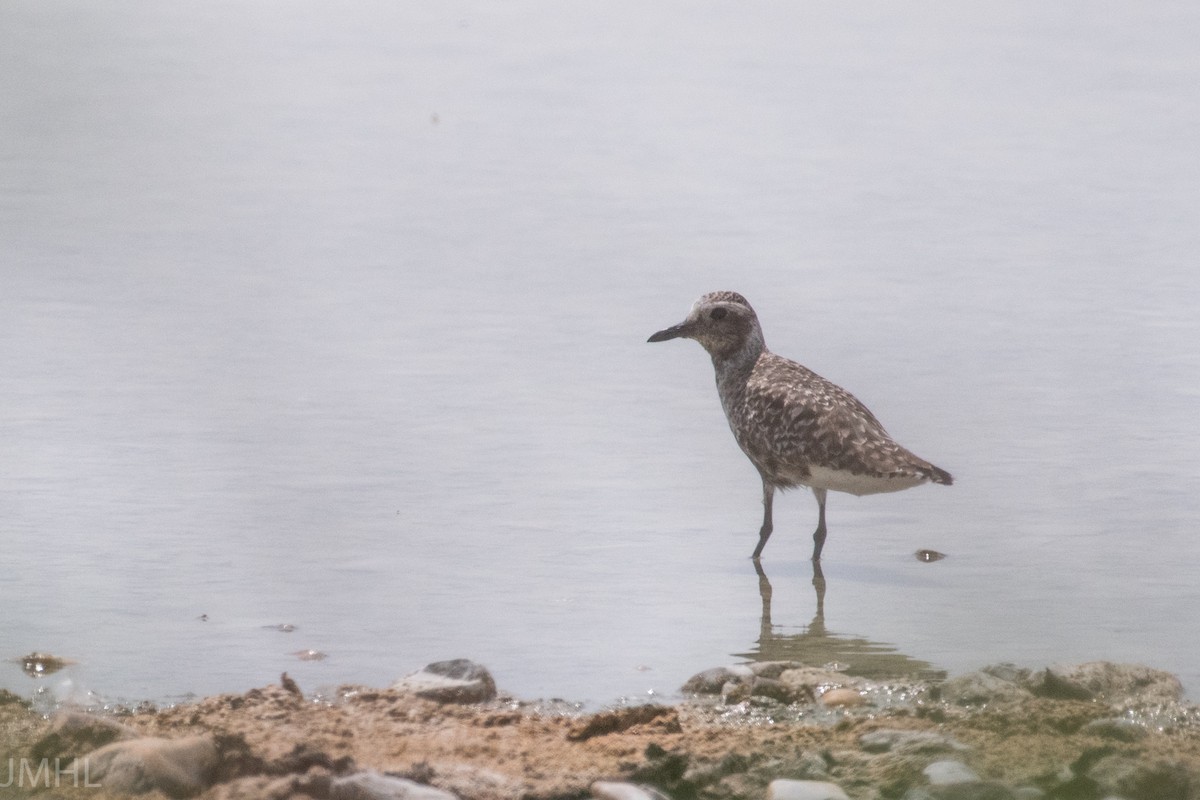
336 317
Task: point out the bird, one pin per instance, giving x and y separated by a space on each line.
797 428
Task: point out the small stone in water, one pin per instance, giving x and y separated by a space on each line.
283 627
37 665
310 655
929 556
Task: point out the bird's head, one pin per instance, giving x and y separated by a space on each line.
723 323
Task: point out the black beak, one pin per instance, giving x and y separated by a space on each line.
673 332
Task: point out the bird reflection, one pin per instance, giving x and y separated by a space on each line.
816 646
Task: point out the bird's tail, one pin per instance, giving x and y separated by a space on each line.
939 475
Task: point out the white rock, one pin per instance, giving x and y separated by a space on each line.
456 681
782 789
374 786
944 773
618 790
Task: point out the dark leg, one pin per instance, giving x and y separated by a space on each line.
764 533
764 592
819 587
819 533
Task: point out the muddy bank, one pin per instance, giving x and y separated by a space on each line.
776 729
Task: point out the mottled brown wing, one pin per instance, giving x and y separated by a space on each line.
800 420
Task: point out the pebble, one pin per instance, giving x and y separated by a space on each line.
370 785
619 790
782 789
842 697
944 773
457 681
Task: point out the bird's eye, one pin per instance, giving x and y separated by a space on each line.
718 313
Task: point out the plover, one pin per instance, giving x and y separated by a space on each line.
797 428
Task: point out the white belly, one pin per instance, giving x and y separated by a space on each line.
839 481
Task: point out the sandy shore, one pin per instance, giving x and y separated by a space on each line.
1112 730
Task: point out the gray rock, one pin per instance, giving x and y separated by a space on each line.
739 688
711 681
974 791
1122 730
811 681
773 669
374 786
1117 684
945 773
804 790
735 691
175 767
618 790
776 690
902 741
1139 780
1008 672
977 688
456 681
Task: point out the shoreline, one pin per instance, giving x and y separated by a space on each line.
1094 730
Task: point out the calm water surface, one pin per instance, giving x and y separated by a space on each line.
335 316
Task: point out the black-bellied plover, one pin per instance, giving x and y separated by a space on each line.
797 428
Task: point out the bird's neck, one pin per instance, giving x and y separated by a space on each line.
734 366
